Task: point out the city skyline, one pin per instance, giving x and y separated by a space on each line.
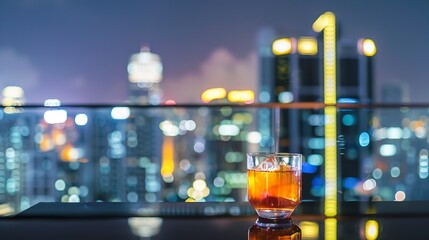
78 51
121 153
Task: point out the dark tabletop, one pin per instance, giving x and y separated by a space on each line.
386 220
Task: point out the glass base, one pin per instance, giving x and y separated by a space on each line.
274 214
274 223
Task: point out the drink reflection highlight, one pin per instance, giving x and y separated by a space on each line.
293 232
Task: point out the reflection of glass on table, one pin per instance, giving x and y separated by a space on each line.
274 185
293 232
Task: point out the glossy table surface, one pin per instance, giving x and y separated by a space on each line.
384 220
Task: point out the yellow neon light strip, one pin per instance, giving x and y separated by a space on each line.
329 57
326 22
330 161
330 97
330 229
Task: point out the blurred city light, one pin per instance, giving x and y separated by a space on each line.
254 137
307 46
219 182
369 185
55 116
348 120
187 125
285 97
185 165
74 198
377 173
120 113
367 47
60 185
145 227
388 150
316 119
348 100
200 176
316 143
309 230
52 102
350 182
69 153
243 96
242 118
199 185
169 128
364 139
228 130
371 230
282 46
264 97
13 92
423 164
400 196
6 209
234 157
394 133
170 102
198 191
81 119
308 168
199 146
167 165
315 159
13 96
213 94
395 172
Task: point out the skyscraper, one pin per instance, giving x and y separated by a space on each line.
298 66
145 74
128 143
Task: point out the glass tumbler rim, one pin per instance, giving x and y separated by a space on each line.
282 154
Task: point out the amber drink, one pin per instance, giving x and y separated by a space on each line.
274 183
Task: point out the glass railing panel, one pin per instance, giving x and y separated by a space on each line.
197 152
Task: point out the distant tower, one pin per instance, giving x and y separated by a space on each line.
141 128
13 96
144 75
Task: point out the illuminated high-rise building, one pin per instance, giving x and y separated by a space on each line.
44 157
226 149
400 167
61 156
232 136
13 170
127 153
15 164
129 143
128 149
144 75
299 67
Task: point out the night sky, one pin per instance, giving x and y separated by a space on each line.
78 50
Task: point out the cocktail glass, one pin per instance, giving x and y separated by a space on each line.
274 186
